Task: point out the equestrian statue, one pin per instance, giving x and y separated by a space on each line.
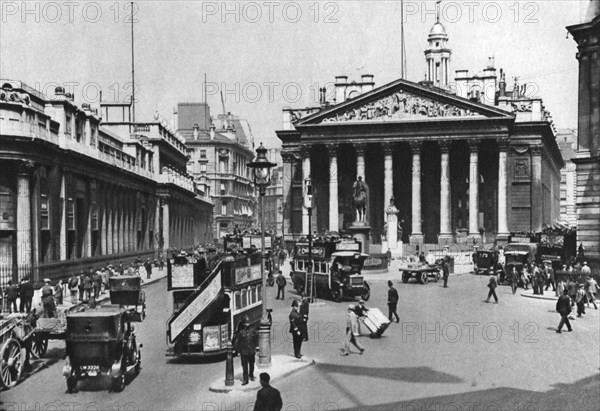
359 199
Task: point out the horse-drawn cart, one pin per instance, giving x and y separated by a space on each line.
15 342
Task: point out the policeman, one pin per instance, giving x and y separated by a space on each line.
296 329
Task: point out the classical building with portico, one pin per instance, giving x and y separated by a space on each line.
464 162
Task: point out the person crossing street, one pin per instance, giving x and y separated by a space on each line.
351 328
281 283
392 302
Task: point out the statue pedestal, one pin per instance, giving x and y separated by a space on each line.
360 231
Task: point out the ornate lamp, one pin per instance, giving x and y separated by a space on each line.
261 167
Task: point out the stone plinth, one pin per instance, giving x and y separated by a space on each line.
361 231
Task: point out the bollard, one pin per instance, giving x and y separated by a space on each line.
229 366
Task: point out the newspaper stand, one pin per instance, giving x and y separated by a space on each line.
101 341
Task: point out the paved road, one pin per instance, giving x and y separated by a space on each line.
451 351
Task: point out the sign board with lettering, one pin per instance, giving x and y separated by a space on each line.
246 274
348 246
211 338
195 308
302 251
182 276
185 272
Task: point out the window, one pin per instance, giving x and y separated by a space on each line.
44 213
238 301
70 214
223 208
94 212
68 126
222 189
202 153
244 298
203 168
93 137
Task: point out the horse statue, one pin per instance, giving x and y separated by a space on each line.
359 199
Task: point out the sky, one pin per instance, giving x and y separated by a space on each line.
266 55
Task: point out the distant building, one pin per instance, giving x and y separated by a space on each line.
219 150
567 143
80 188
587 160
460 159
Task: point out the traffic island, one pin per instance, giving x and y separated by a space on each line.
281 367
548 295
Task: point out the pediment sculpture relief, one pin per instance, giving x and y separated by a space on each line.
400 106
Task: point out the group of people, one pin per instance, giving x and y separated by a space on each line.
22 292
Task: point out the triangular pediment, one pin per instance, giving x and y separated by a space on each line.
401 101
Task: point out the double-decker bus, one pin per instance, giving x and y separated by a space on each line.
210 296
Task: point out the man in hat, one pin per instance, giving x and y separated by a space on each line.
281 283
580 300
392 302
27 292
351 327
48 299
492 286
12 293
586 270
246 344
550 276
73 285
591 288
296 329
563 307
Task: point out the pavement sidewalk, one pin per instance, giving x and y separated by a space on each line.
281 367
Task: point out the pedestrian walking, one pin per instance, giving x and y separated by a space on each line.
561 287
492 286
351 328
563 307
580 300
11 293
246 343
445 272
87 286
97 284
267 398
48 299
586 270
550 279
361 312
388 254
540 279
392 302
591 288
572 287
120 268
304 310
148 267
73 285
296 329
26 293
58 293
281 283
81 286
514 279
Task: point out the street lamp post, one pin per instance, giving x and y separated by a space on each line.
308 198
261 168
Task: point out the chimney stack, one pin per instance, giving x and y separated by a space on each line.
502 83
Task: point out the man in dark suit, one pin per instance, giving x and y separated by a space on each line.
393 302
26 292
296 329
304 309
563 307
267 398
281 283
446 272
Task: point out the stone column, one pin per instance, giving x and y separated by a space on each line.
474 192
360 159
305 174
290 162
503 232
103 216
157 227
166 224
62 243
121 226
416 236
388 174
334 218
24 255
392 228
445 236
537 206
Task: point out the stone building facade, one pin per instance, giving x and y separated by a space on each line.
80 188
219 149
587 160
458 165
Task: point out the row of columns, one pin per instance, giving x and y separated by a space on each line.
445 197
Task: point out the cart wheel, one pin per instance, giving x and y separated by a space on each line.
437 277
405 278
118 383
39 345
366 295
72 384
12 363
424 278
